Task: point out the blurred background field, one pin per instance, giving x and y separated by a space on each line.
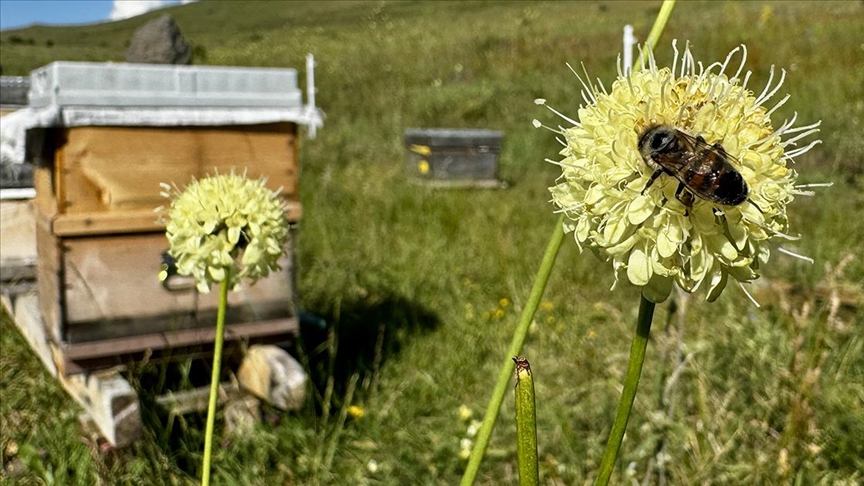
422 287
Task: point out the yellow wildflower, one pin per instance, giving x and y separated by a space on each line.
355 412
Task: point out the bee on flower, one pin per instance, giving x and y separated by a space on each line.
678 174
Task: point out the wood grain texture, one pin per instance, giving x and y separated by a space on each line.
101 169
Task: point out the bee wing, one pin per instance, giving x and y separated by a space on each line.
678 161
696 146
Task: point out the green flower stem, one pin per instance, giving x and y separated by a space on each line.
628 395
215 377
643 326
526 425
660 23
485 432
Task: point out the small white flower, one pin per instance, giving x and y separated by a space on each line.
473 428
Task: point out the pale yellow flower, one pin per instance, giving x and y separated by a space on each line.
465 413
653 237
225 225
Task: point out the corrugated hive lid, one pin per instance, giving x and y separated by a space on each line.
452 137
150 85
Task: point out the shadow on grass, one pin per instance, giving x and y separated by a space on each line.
356 338
340 342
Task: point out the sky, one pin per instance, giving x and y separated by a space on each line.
21 13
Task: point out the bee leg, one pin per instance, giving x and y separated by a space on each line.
755 205
653 178
726 231
719 149
686 198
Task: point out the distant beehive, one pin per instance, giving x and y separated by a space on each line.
452 157
13 96
13 92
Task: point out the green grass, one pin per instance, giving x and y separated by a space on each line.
765 396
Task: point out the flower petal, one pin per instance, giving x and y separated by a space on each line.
638 267
639 209
657 289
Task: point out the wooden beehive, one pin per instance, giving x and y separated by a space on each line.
102 137
100 245
453 157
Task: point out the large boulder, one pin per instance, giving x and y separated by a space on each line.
159 42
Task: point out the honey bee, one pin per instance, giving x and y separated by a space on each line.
704 170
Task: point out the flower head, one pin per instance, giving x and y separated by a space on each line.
225 225
649 229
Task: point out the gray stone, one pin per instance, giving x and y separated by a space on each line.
159 42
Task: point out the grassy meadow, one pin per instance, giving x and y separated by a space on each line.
421 288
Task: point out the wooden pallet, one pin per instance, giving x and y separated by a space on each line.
110 403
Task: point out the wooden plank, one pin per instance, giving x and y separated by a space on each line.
114 222
112 278
195 400
49 279
188 337
24 310
259 150
18 238
106 396
240 411
129 221
18 269
116 277
102 168
460 183
113 168
45 203
111 403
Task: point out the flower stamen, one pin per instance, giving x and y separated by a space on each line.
744 289
795 255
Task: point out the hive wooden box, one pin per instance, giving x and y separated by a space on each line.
100 245
453 157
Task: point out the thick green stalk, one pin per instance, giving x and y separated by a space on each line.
628 395
526 425
643 326
215 377
660 23
485 432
